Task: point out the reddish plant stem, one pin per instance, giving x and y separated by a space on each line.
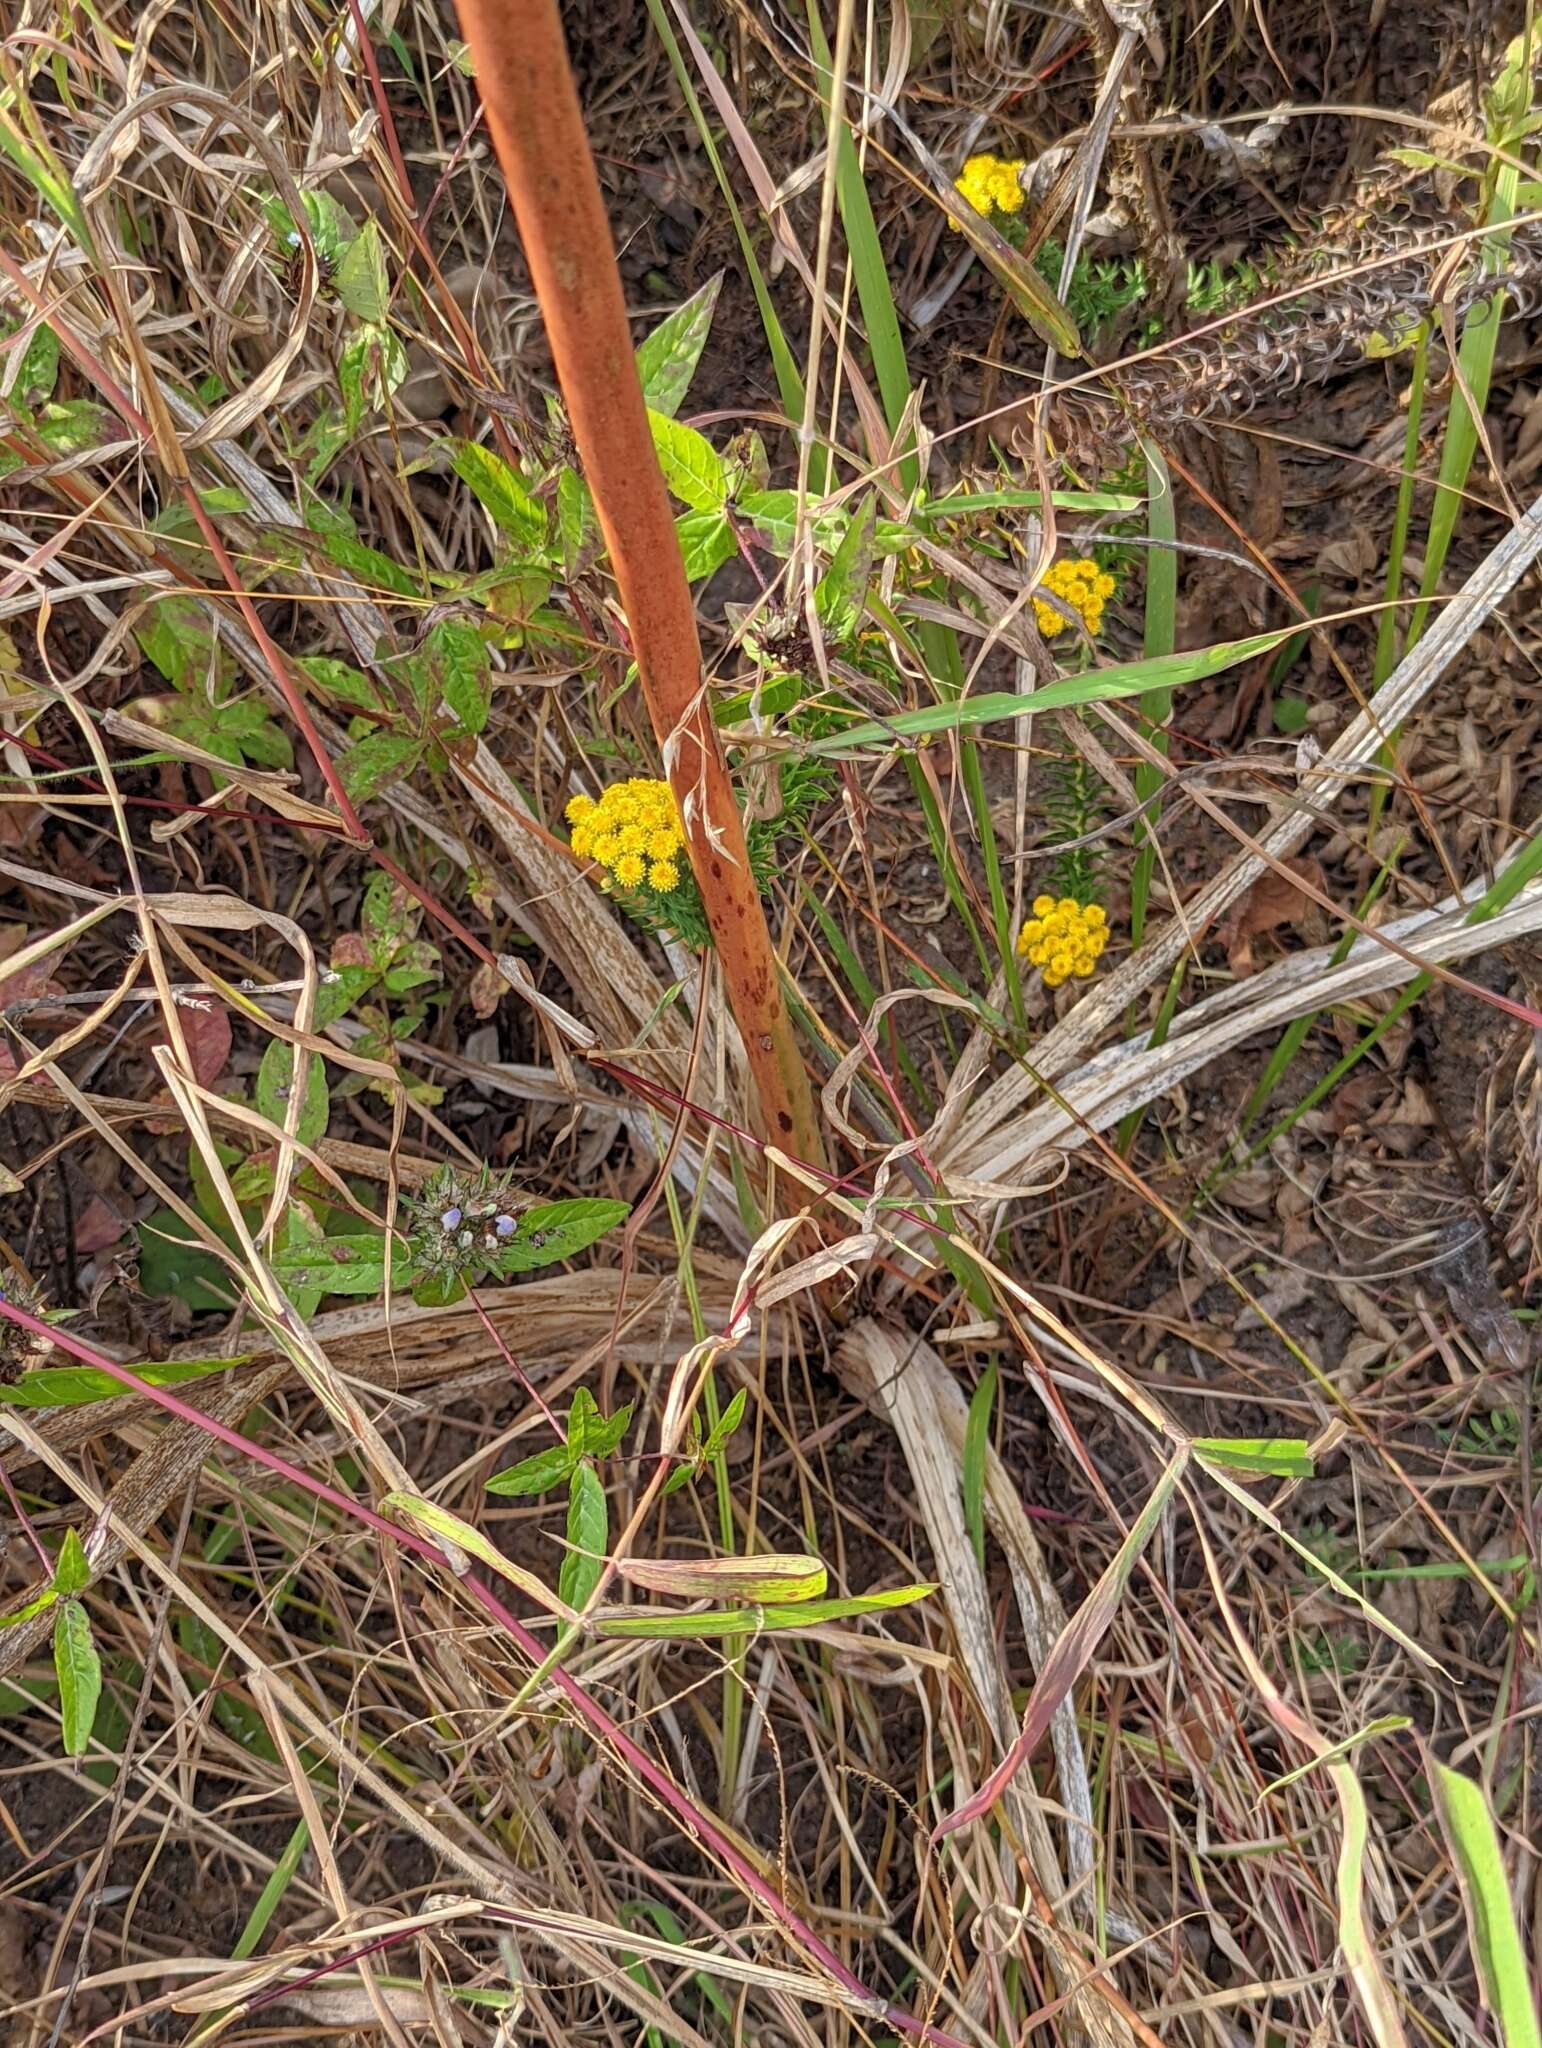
691 1817
538 131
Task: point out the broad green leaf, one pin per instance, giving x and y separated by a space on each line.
360 277
575 518
1098 686
588 1533
367 566
175 1267
780 694
337 1265
430 1519
706 542
602 1433
72 1570
342 681
79 1671
39 368
1286 1457
692 467
39 1605
331 224
774 516
375 762
72 1386
725 1425
177 637
765 1581
744 1621
537 1474
460 660
560 1230
372 366
275 1080
500 493
71 425
667 359
1497 1947
839 596
439 1290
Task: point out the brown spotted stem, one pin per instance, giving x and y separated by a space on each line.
538 131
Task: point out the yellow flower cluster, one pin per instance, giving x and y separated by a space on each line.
1063 938
989 182
633 832
1082 585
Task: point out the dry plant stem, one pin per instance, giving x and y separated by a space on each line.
538 131
602 1727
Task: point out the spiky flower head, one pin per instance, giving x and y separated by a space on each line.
1063 938
1080 584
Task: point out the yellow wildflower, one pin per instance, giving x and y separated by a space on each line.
633 832
1063 938
1082 586
991 184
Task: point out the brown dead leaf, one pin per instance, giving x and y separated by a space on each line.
488 988
1273 900
207 1032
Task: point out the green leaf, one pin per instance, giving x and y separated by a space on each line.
428 1516
1496 1943
841 590
575 517
368 566
275 1079
337 1265
372 366
725 1425
175 635
537 1474
360 277
73 425
375 762
692 467
72 1569
439 1290
588 1532
79 1671
338 679
774 516
72 1386
602 1433
39 1605
500 493
460 659
741 1621
1284 1457
39 368
174 1267
1099 686
667 359
774 1581
559 1230
977 1442
706 542
331 224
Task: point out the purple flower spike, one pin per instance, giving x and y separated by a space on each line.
449 1219
505 1226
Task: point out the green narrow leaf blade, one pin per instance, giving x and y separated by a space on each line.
1496 1943
588 1532
79 1671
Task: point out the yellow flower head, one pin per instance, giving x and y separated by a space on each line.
1063 938
1081 586
633 832
991 184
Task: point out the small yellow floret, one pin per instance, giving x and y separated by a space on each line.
1063 938
1081 586
633 832
991 184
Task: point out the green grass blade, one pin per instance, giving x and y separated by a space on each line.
1496 1942
1159 640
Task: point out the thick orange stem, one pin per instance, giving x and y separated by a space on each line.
538 131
